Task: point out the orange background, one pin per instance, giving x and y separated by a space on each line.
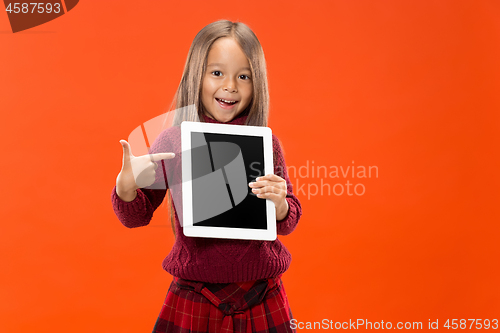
411 87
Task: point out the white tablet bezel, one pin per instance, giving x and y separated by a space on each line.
190 230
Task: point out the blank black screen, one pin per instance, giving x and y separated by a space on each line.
249 213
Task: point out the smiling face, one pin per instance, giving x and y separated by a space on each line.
227 87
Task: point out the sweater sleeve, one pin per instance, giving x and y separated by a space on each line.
289 223
139 212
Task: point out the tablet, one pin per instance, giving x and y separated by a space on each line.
218 162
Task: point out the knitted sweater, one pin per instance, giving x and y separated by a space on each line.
211 260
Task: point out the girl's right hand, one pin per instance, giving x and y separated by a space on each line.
137 172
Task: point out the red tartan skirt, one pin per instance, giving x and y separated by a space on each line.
195 307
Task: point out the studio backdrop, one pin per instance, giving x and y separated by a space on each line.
388 114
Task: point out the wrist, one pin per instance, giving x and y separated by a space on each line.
126 195
282 210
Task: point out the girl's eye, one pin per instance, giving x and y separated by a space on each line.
245 77
216 73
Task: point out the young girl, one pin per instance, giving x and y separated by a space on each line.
219 285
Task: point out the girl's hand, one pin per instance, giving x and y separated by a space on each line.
137 172
274 188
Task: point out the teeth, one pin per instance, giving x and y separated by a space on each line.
230 102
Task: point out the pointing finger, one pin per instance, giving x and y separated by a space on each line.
161 156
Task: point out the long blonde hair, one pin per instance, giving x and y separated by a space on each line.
189 90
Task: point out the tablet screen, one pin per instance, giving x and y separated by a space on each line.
224 153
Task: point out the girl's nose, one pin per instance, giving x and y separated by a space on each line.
230 86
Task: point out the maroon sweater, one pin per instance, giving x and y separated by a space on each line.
211 260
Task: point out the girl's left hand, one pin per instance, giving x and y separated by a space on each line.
272 187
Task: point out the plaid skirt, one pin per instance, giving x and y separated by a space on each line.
195 307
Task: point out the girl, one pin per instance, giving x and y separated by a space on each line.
219 285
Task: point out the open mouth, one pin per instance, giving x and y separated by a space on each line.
225 103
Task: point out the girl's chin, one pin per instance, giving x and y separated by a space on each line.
223 117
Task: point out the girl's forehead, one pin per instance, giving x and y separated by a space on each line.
225 52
